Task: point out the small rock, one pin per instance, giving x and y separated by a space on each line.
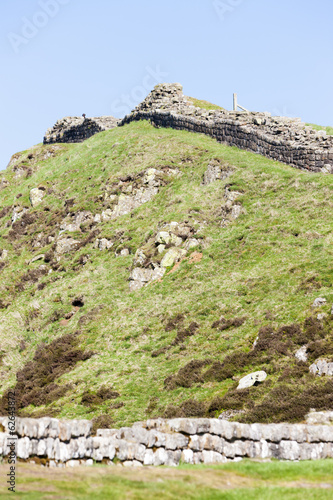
191 243
172 256
301 354
3 254
124 252
161 248
321 316
163 237
38 257
251 379
320 301
36 196
66 245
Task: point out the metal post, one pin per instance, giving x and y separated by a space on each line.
235 102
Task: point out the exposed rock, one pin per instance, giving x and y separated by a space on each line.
163 237
191 243
4 183
139 258
319 418
36 196
252 379
3 254
319 302
103 244
140 277
301 354
66 245
73 221
124 252
172 256
38 257
321 316
17 213
215 171
322 367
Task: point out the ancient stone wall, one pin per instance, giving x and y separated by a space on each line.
164 442
284 139
75 129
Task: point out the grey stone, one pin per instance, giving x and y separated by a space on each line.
252 379
319 302
322 367
301 354
36 196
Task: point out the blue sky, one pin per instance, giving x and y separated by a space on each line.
101 57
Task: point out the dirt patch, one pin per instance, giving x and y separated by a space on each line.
195 257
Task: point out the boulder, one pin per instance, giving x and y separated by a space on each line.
36 196
252 379
319 302
66 245
322 367
172 256
163 237
301 354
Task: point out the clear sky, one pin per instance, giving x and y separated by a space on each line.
101 57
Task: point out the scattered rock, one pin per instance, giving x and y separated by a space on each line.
172 256
252 379
301 354
215 171
36 196
322 367
319 302
66 245
321 316
3 254
124 252
38 257
103 244
140 277
73 222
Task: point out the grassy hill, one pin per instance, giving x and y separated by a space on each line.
75 342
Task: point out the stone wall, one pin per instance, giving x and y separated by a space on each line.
284 139
164 442
75 129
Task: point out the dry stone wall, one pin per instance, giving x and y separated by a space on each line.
76 129
163 442
284 139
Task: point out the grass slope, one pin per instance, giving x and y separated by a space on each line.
268 266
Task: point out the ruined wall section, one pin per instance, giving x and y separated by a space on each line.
287 140
76 129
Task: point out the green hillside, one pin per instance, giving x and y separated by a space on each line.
75 342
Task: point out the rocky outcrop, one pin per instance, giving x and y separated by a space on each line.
76 129
284 139
168 247
163 442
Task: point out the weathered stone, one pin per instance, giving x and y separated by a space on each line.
36 196
319 302
320 417
322 367
66 245
172 256
212 457
301 354
252 379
